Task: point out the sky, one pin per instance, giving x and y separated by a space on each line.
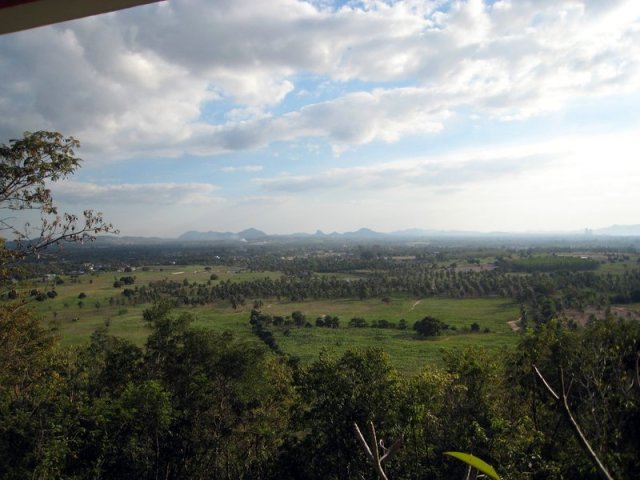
293 116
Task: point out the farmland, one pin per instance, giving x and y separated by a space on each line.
479 305
77 318
281 341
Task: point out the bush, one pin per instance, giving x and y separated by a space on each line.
299 318
358 322
429 326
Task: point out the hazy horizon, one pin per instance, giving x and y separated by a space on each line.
585 231
296 116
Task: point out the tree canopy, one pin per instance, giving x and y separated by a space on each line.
27 168
429 326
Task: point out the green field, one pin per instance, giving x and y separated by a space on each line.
75 323
406 350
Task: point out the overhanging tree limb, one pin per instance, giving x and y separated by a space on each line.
27 167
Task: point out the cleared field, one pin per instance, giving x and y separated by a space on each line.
407 352
77 318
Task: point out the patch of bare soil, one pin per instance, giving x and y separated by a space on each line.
581 317
514 324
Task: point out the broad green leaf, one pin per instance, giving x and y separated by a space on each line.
475 462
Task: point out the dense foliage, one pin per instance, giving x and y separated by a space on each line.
548 263
196 404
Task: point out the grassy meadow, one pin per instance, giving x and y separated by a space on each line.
407 351
75 319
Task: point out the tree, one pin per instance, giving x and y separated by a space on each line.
357 322
27 166
33 401
595 369
429 326
299 318
360 386
231 400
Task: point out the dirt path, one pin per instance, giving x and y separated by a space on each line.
514 324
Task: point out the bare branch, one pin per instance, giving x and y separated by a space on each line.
468 477
392 450
548 387
582 440
363 442
372 450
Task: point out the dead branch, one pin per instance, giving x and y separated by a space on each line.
372 452
582 440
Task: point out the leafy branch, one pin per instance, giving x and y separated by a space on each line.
27 167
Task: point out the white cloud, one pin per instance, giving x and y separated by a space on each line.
560 184
242 168
261 202
86 193
135 82
443 173
353 119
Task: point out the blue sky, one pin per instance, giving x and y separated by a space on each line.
294 116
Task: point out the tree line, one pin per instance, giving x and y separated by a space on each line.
544 295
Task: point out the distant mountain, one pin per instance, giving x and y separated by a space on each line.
366 234
619 230
252 234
